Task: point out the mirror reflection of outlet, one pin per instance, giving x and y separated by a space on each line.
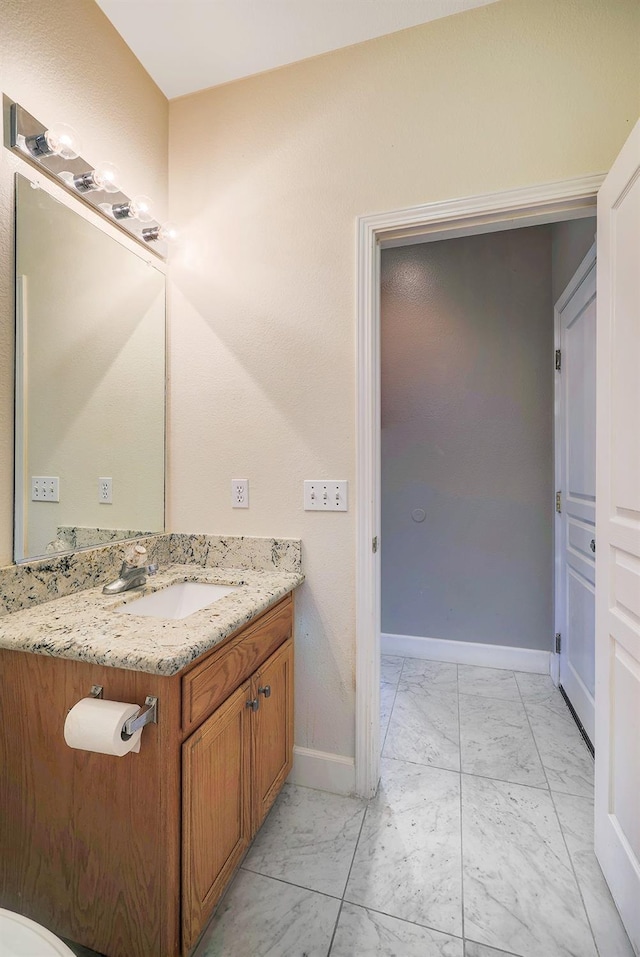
45 488
239 493
105 491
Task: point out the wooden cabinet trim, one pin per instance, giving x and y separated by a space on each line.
206 686
236 635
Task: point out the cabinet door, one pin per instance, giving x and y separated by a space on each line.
272 729
216 822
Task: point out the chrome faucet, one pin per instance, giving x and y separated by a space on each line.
131 575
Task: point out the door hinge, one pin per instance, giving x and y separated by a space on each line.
374 544
558 502
558 642
558 360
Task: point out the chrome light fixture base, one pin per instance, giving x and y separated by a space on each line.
26 137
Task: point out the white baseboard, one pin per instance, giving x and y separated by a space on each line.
323 771
467 653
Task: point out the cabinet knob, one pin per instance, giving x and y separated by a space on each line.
266 691
254 704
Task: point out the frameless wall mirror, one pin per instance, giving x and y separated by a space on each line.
90 382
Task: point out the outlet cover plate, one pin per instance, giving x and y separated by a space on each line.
105 491
326 495
239 493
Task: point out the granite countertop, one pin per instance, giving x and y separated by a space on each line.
83 626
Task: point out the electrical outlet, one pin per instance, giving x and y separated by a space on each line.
239 493
325 495
105 491
45 488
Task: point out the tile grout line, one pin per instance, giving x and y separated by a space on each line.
414 923
562 834
346 883
393 704
283 880
436 692
474 774
575 876
335 928
533 738
498 950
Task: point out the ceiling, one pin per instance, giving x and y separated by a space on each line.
189 45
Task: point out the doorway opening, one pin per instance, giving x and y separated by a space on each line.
458 219
470 537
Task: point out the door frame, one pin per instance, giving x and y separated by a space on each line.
530 206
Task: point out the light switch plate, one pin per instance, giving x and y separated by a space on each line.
326 495
45 488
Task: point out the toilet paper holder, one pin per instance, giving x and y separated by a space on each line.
136 721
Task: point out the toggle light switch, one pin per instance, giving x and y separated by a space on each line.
325 495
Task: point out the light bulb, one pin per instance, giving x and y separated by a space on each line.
168 233
61 140
104 177
141 208
137 208
64 141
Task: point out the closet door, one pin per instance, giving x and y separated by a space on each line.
576 471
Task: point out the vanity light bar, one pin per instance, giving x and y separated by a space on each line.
54 151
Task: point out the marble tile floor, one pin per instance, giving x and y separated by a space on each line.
477 844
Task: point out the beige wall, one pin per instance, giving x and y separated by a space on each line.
268 176
63 61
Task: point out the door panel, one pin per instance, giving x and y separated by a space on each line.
625 394
626 720
216 825
272 729
617 806
581 608
576 334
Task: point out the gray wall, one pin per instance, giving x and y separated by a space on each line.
570 243
467 435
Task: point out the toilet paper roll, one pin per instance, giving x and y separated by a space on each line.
94 724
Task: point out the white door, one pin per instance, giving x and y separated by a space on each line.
575 317
617 814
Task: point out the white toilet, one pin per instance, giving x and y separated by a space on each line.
21 937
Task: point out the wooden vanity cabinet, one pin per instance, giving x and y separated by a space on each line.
233 767
129 856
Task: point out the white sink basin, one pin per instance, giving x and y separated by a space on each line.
177 601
